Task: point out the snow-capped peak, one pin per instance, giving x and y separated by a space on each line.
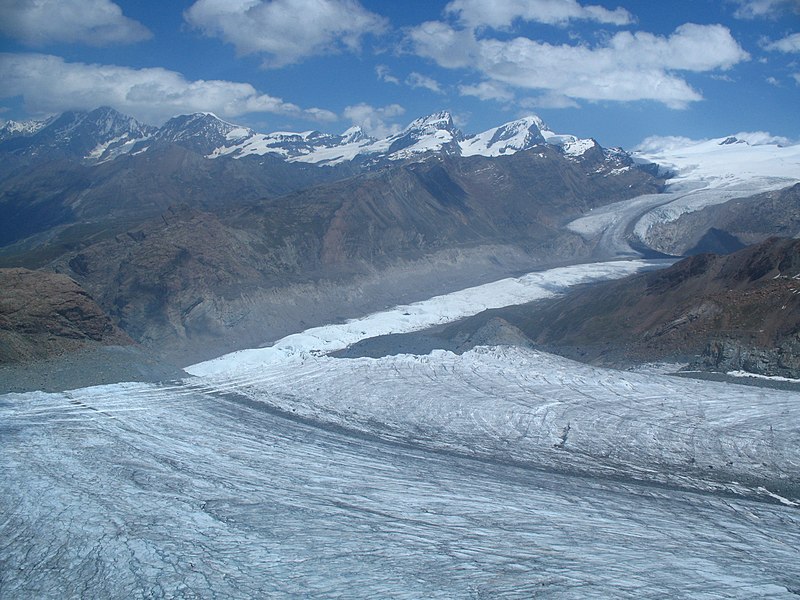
506 139
203 132
724 161
353 134
193 125
12 128
435 133
104 134
442 120
94 136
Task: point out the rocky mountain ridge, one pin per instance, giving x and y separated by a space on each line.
93 136
104 134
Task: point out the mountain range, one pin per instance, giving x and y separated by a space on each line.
202 236
104 134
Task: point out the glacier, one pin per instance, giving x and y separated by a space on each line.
700 174
501 472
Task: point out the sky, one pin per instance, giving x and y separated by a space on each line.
618 71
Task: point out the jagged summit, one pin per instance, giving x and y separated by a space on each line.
506 139
11 128
94 136
434 133
437 121
353 135
202 132
104 134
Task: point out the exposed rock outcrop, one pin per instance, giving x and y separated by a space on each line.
726 355
44 314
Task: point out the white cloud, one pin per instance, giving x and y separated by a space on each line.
48 84
418 80
500 15
375 121
487 90
285 31
773 81
770 9
629 66
383 73
93 22
657 143
789 44
690 48
796 78
449 47
548 100
762 138
320 114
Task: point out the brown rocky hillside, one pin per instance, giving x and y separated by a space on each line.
45 314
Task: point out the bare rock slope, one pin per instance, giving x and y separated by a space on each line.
44 314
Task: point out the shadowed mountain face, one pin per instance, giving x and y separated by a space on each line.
740 311
48 198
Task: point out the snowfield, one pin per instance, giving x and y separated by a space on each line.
501 472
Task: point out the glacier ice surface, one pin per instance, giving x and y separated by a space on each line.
502 472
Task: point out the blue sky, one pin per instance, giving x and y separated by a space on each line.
616 71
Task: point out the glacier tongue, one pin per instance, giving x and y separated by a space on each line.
478 403
524 407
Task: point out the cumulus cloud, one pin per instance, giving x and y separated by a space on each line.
48 84
93 22
449 47
375 121
285 31
770 9
418 80
790 44
320 114
500 15
796 78
628 66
